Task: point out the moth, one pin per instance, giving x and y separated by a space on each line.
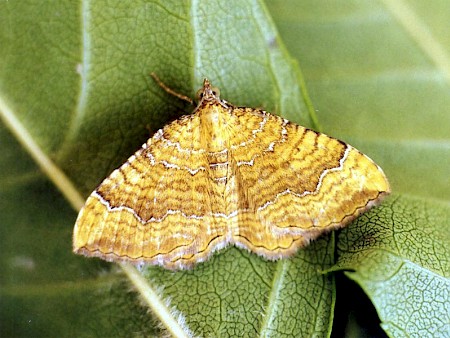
226 175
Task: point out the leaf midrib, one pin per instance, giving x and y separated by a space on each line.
277 282
419 32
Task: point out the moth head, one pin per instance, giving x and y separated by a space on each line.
208 92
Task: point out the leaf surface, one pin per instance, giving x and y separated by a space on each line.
378 74
403 268
104 113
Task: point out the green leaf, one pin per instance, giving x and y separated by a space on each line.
75 92
378 74
404 268
110 110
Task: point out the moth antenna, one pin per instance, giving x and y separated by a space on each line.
169 90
